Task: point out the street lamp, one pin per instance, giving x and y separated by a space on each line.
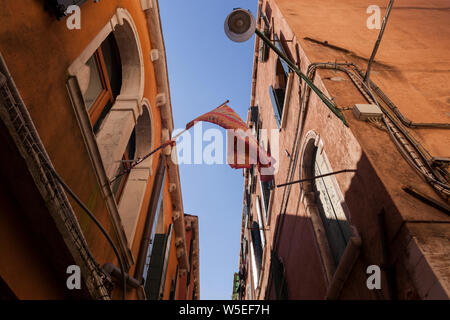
240 25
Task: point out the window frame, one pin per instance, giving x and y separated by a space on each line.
120 23
281 107
313 144
106 95
331 186
276 105
263 198
260 222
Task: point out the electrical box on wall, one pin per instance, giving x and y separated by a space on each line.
365 111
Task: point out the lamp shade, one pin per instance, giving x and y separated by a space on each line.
240 25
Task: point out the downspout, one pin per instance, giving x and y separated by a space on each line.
256 56
386 266
344 268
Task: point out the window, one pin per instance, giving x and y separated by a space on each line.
266 190
159 213
255 269
114 57
256 248
285 69
268 11
335 223
265 49
254 115
155 274
277 99
174 285
278 90
191 248
104 81
277 271
260 222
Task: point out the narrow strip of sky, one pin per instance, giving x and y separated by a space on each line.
206 69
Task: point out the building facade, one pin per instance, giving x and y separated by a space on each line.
84 92
380 229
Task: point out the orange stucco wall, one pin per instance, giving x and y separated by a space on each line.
38 50
26 273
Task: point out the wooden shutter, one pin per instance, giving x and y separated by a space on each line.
274 97
155 272
254 112
257 245
277 272
281 48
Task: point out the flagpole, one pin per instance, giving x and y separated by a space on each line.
165 144
223 104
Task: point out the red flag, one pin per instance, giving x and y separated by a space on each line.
239 135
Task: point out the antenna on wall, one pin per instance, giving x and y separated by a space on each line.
377 43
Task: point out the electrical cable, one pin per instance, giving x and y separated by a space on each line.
89 213
440 186
316 177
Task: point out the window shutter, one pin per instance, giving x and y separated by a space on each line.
191 245
265 49
257 245
280 47
275 105
277 271
155 272
173 288
254 114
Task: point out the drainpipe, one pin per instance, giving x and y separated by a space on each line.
377 43
386 266
344 268
256 57
113 271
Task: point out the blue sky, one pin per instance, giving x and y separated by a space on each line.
205 70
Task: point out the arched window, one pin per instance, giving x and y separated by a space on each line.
130 189
330 208
106 87
277 91
325 205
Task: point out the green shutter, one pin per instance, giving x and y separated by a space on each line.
155 272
